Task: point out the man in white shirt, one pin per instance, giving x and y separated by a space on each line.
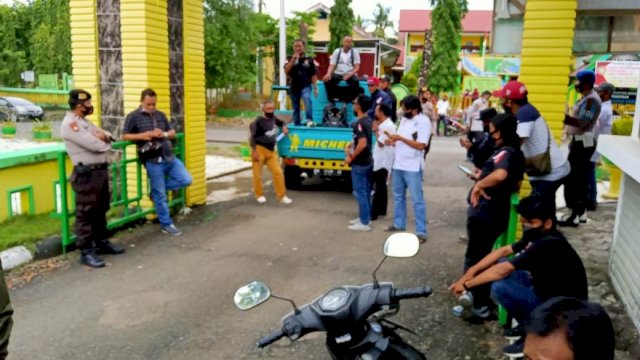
475 127
410 142
603 126
382 159
344 64
443 108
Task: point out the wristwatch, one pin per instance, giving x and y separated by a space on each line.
165 134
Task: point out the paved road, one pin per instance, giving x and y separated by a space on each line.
227 134
172 298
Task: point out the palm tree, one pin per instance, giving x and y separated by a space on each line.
381 21
359 22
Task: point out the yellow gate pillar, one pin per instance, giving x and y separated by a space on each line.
547 47
121 47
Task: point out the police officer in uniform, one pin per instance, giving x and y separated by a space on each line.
88 147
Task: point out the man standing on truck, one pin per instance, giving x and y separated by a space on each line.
344 65
302 72
263 139
358 156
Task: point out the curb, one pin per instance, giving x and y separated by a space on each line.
231 172
14 257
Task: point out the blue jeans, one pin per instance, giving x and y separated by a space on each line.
401 181
361 180
304 95
166 176
516 294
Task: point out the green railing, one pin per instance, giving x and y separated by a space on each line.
508 238
126 197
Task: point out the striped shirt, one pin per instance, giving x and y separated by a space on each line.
533 129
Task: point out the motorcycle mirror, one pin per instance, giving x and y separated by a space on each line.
401 245
251 295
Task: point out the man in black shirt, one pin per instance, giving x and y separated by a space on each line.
151 130
385 85
301 70
263 138
545 265
482 149
358 156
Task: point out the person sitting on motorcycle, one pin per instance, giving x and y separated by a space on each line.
584 331
545 266
490 202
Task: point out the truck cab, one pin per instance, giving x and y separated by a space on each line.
315 149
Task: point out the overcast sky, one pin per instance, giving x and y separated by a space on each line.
365 8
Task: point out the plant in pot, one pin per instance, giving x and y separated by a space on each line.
8 129
42 131
620 127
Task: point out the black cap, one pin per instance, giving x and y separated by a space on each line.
488 114
386 78
79 95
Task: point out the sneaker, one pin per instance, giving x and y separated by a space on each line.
285 200
515 350
571 221
354 221
359 227
584 218
422 238
466 299
514 334
393 229
171 230
482 313
261 199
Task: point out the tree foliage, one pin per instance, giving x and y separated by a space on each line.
341 22
34 36
382 21
446 23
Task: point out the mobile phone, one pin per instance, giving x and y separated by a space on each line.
466 170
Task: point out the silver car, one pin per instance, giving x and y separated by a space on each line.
19 109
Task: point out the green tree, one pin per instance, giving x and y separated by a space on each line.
446 23
381 21
50 45
341 22
13 59
359 22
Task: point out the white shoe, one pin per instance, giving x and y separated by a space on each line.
261 199
584 218
354 221
359 227
285 200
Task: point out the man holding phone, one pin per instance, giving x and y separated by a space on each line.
301 70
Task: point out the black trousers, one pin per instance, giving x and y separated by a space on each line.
482 234
92 203
442 119
380 197
340 93
576 187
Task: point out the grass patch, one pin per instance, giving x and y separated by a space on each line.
27 230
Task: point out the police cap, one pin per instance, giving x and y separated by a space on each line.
77 97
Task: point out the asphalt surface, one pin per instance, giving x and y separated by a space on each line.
172 298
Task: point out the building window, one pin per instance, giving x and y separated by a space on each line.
625 35
602 34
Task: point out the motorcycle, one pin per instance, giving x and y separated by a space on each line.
353 317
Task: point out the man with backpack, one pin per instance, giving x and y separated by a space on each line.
344 65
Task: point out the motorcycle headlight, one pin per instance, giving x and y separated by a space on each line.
334 300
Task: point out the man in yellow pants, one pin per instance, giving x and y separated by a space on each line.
263 139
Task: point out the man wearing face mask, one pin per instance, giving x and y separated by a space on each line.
484 147
545 266
546 166
88 147
151 130
262 139
579 127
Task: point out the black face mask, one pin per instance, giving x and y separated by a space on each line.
486 129
507 109
88 110
268 115
408 115
531 234
579 88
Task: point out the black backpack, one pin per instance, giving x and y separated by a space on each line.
334 117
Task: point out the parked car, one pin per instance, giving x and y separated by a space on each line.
18 109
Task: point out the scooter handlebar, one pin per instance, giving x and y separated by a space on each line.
269 339
418 292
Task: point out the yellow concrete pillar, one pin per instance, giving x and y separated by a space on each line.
84 50
547 47
194 97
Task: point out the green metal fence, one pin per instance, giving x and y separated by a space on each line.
42 97
125 202
508 238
